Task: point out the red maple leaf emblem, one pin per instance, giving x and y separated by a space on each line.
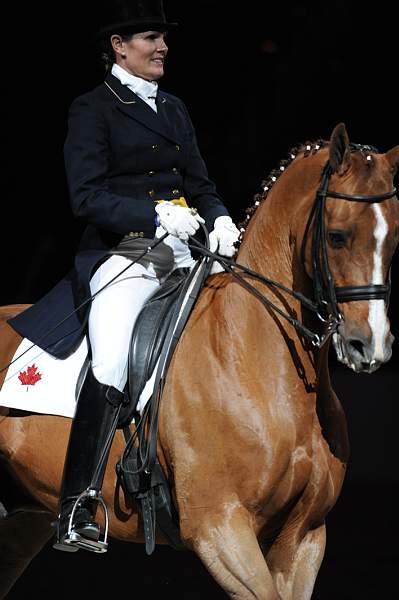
30 376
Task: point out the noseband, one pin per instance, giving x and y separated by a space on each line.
326 294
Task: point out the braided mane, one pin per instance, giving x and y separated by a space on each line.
306 148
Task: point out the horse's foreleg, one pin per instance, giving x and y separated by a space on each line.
22 536
295 572
228 547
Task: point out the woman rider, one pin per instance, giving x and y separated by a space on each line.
134 172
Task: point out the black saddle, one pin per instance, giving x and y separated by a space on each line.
148 337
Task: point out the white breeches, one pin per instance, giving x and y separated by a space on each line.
114 311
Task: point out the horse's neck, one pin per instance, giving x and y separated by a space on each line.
266 247
272 241
270 248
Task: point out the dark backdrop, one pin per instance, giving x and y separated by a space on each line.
258 78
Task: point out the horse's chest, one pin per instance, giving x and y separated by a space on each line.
309 476
296 476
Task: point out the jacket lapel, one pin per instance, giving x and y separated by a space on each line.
133 106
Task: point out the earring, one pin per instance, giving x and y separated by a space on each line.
123 55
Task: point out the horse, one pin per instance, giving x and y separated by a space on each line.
252 437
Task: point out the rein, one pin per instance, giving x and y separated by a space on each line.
230 265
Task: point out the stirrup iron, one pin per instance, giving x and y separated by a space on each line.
74 539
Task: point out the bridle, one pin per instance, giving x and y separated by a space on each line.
326 294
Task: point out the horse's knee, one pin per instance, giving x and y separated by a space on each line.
295 568
227 545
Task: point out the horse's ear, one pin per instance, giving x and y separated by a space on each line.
392 157
340 156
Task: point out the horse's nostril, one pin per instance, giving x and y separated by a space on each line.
358 346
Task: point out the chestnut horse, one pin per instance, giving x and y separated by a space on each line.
252 435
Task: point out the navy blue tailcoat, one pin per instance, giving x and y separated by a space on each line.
120 157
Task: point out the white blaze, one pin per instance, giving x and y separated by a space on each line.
377 318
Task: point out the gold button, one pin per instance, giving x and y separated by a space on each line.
155 147
175 192
151 173
151 193
175 170
177 147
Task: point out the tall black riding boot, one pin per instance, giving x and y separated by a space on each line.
92 431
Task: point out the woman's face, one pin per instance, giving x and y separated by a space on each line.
143 55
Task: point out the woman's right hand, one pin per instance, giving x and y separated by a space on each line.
178 220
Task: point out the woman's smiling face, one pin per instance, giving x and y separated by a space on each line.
143 54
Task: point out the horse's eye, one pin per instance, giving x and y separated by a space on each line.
337 239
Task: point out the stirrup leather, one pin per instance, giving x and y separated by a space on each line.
75 540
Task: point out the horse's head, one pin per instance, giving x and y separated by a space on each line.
357 238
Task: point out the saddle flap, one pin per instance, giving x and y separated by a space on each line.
148 336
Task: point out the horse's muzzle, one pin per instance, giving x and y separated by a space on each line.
361 353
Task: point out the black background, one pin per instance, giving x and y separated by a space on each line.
258 78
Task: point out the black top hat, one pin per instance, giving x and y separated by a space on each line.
135 16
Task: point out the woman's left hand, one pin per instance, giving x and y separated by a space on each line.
223 236
222 239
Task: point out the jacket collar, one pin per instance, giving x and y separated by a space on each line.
133 106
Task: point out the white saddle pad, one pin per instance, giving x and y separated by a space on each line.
38 382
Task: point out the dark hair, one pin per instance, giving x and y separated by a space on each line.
106 49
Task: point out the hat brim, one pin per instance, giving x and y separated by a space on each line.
135 26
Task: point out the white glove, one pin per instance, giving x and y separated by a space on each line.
178 220
223 236
222 239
